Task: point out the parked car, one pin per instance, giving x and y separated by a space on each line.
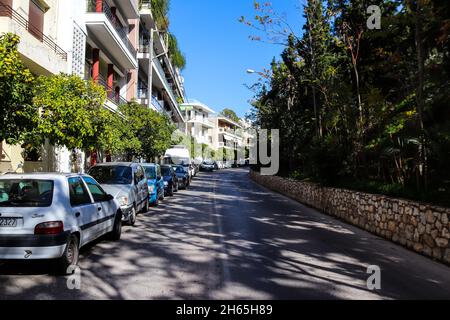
182 175
127 183
207 166
51 216
155 183
170 180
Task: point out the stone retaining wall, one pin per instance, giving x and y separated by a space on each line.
421 227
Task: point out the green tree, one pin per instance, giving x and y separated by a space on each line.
360 108
72 112
152 130
230 114
18 115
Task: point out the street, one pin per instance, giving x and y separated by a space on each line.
228 238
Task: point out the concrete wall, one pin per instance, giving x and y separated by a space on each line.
423 228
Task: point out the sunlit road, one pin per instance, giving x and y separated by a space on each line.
228 238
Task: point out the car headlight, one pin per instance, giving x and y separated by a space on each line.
123 201
151 189
166 183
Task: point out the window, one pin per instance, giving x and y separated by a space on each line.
112 175
150 172
139 174
97 192
21 193
79 196
36 18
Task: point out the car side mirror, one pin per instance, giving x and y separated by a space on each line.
109 197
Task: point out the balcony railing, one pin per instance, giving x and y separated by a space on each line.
7 11
157 104
145 4
111 94
142 92
121 30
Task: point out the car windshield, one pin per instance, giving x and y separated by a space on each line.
150 172
208 163
112 174
26 193
166 172
180 170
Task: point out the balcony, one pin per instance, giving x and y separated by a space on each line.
145 11
129 8
162 77
204 122
114 99
41 54
110 35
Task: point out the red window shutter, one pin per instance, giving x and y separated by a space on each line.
5 12
36 20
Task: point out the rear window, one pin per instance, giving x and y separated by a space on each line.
150 172
26 193
166 171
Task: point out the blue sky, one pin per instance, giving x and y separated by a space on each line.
218 50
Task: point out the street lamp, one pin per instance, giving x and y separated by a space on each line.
251 71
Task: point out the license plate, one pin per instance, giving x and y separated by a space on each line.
8 222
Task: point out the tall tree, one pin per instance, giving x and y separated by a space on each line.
17 113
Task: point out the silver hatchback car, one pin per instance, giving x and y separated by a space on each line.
127 183
51 216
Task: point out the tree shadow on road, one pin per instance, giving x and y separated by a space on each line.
244 242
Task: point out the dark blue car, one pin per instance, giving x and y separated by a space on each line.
183 176
170 180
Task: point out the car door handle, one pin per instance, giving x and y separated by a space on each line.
77 215
99 208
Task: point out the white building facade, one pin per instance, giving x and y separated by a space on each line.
98 40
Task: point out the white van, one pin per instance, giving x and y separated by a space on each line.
179 156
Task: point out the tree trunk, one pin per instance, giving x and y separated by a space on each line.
422 156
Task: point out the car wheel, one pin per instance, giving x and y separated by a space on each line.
116 233
132 220
70 256
146 207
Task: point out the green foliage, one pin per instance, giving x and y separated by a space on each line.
230 114
177 57
348 100
72 112
160 9
151 131
18 115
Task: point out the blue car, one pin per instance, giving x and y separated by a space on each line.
155 183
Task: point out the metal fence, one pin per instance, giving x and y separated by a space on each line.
7 11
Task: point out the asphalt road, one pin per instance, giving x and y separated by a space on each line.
228 238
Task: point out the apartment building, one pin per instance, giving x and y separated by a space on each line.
199 123
160 85
44 49
107 41
227 134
